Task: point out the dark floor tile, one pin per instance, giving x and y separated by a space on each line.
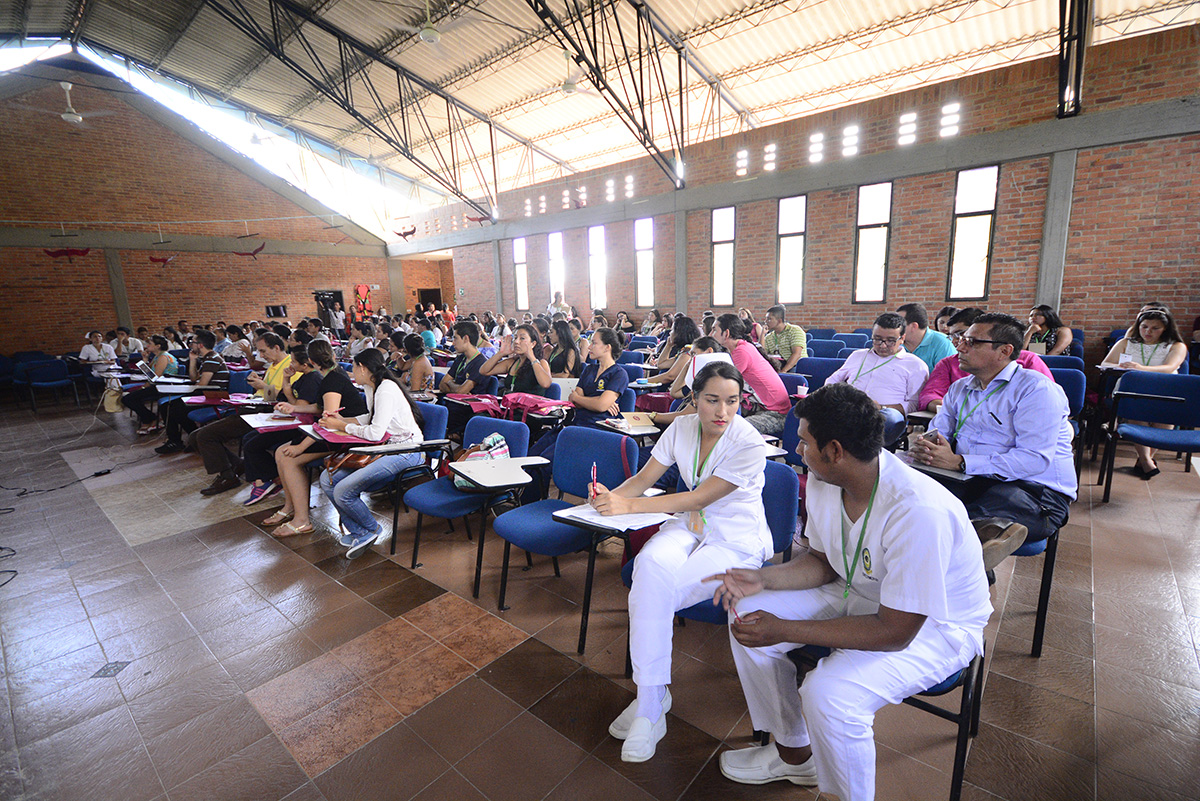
710 785
51 645
381 648
194 746
320 549
126 646
133 617
305 792
592 780
305 607
1046 717
404 596
500 767
163 709
49 714
169 553
1148 621
708 698
450 786
342 625
54 675
261 663
1148 752
228 534
340 728
1112 786
528 672
164 666
225 610
1168 661
264 771
1067 601
1018 769
338 567
302 691
258 557
415 682
440 723
679 758
1062 632
394 766
375 577
581 707
247 632
284 582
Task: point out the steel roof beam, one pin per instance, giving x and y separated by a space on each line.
250 70
177 35
80 17
1075 19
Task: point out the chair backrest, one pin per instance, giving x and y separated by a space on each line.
632 357
844 353
490 386
793 382
239 382
866 332
822 333
1184 415
781 498
853 341
789 439
48 371
628 401
635 370
825 348
1063 362
817 369
578 447
643 342
1077 335
1074 384
678 403
1076 348
554 391
32 356
436 417
516 434
180 354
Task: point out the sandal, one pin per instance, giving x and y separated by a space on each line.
277 518
288 530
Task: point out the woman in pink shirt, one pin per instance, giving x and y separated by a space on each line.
760 376
947 371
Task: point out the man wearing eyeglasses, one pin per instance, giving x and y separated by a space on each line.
890 375
1007 427
920 340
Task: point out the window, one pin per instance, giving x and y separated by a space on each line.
581 196
972 232
769 157
643 246
628 186
850 141
541 204
722 256
597 267
871 244
521 274
528 207
950 119
907 132
743 162
566 199
789 278
610 190
816 147
558 268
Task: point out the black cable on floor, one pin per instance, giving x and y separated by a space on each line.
6 552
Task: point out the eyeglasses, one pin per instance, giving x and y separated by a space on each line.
885 341
971 342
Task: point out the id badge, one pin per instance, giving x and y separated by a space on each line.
696 523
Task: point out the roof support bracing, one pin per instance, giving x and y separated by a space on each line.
177 35
600 39
250 70
23 19
79 19
341 79
1074 33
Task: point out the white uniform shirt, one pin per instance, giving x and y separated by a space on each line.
739 457
920 553
388 412
103 353
888 380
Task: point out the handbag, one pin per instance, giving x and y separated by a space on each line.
112 400
491 448
349 461
518 405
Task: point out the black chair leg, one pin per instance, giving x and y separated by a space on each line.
978 700
479 551
417 542
965 723
395 513
528 562
1039 626
554 561
1108 465
504 575
587 594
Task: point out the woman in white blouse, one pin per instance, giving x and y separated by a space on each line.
719 524
390 412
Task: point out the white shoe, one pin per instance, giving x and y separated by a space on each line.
761 764
642 738
384 536
619 728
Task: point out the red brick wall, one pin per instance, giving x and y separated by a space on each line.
127 167
427 274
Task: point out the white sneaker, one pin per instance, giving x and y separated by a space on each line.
761 764
642 738
384 536
619 728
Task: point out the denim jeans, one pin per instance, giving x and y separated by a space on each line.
345 489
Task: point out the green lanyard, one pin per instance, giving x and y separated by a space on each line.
698 467
963 418
873 369
851 566
1142 348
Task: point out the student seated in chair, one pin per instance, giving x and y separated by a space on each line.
96 350
162 363
893 581
519 361
463 376
719 524
1007 428
206 369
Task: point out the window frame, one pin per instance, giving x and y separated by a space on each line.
779 251
591 256
516 274
887 244
955 217
712 261
636 265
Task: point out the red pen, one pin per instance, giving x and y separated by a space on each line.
335 411
593 481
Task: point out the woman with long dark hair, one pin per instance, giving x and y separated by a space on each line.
564 359
1046 334
520 358
390 412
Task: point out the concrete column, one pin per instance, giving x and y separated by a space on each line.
116 281
681 247
496 276
1053 256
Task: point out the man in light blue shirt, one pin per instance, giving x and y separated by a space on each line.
920 340
1007 427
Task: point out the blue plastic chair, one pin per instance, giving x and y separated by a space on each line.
32 356
490 386
824 348
1074 385
1153 398
853 341
1077 335
628 401
793 382
433 433
1063 363
49 375
1075 348
789 440
635 371
441 498
844 353
631 357
867 332
817 370
641 341
533 528
554 391
822 333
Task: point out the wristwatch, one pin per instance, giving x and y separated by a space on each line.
962 465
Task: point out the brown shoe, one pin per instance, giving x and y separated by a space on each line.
1000 538
220 484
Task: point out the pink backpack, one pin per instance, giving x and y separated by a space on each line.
518 405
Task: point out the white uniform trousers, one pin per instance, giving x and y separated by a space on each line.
834 710
666 578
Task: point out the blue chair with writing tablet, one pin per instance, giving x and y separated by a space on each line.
817 369
822 333
825 348
853 341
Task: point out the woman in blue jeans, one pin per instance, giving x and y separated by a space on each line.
390 411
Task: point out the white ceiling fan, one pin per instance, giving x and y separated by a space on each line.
574 83
431 34
70 115
370 158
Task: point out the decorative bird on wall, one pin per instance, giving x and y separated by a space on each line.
163 260
253 253
480 220
68 253
406 234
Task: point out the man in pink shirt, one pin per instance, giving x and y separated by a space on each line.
731 333
947 371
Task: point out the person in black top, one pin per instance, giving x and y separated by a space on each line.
519 359
258 447
207 369
463 376
565 361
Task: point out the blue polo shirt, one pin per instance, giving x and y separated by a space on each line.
934 347
595 384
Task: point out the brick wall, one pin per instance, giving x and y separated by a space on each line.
427 274
127 167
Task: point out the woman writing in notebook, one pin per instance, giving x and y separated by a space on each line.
718 523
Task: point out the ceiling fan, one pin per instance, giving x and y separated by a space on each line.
429 33
70 115
574 83
370 158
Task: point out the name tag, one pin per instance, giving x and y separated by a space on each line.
1125 358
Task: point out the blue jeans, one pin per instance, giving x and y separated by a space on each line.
345 489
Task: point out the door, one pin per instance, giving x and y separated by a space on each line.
427 296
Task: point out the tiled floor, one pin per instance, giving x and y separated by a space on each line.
265 669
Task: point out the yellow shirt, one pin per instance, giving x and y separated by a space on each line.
274 376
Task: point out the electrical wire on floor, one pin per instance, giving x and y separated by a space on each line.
5 553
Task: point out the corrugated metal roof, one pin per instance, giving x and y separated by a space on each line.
779 59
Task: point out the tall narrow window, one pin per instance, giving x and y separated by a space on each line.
558 268
597 267
972 232
643 245
521 274
789 278
816 147
871 244
722 256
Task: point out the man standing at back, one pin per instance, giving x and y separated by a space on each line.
922 341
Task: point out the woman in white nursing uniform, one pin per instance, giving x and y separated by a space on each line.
719 523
